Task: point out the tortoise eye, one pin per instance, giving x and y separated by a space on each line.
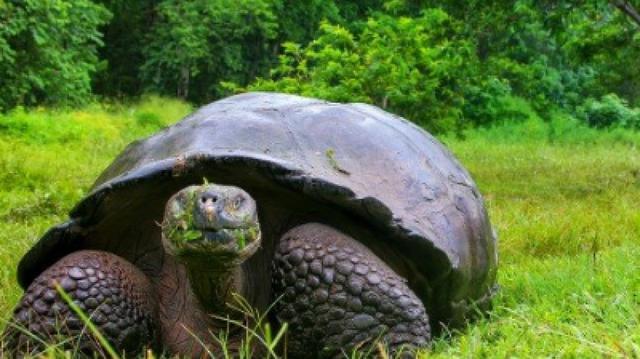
237 202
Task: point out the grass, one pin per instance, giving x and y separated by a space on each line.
564 198
567 211
49 159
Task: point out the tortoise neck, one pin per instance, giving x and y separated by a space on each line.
187 326
214 279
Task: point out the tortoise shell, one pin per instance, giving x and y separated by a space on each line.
369 173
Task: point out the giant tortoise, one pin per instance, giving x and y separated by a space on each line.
358 224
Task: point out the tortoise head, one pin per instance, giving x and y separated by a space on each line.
211 220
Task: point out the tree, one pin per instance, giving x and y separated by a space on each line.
195 44
125 37
447 65
144 38
416 67
48 51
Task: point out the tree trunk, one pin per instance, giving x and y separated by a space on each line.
183 83
628 9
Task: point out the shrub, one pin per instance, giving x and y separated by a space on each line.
48 51
415 67
491 101
609 111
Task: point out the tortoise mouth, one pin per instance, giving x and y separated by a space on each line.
241 237
222 237
237 240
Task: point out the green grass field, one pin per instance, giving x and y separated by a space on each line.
564 199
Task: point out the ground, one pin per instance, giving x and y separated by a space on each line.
565 201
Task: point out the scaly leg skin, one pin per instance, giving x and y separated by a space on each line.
336 295
115 294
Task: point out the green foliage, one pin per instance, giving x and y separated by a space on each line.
193 44
158 45
124 39
298 20
446 65
611 110
48 51
491 101
527 55
452 65
554 54
415 67
602 38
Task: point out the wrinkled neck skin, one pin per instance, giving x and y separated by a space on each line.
215 275
214 278
188 328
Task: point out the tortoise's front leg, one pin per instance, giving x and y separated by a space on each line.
337 295
116 296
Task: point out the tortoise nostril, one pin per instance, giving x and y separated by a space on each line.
206 197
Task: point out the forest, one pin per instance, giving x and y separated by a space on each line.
445 65
538 100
